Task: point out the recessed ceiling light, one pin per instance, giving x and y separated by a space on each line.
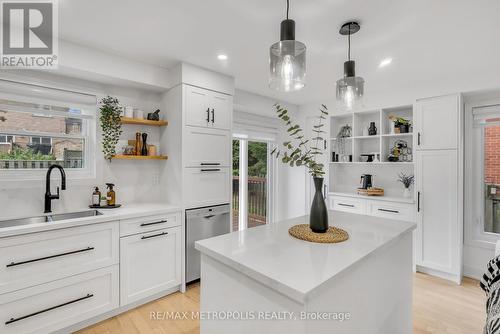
222 57
385 62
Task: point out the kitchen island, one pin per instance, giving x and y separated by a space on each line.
262 280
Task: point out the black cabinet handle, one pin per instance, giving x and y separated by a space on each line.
210 169
208 115
213 115
386 210
12 264
418 139
418 201
210 164
348 205
154 235
155 223
324 144
12 320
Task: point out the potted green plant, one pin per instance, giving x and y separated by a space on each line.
401 124
407 181
302 151
111 125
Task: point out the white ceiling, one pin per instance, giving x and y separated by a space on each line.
432 42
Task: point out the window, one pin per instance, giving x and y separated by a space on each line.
41 126
483 175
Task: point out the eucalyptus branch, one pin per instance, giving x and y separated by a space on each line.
297 151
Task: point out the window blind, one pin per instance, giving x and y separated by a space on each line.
486 116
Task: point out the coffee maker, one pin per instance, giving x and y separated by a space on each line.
366 181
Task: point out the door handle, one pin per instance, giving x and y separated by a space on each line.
418 201
213 115
154 235
154 223
210 169
210 164
209 216
208 115
391 211
418 138
324 144
12 320
13 264
348 205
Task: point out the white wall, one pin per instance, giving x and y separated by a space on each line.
136 181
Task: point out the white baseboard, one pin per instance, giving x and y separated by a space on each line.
473 272
444 275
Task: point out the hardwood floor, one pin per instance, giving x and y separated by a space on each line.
438 307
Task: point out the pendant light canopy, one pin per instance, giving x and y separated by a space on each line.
350 88
287 59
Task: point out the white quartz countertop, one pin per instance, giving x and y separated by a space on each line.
124 212
294 267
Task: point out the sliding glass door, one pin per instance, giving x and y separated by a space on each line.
251 183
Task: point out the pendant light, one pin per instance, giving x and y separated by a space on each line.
287 59
350 88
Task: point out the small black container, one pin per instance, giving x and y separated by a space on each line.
318 219
144 150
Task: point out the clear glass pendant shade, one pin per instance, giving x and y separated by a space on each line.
287 66
350 92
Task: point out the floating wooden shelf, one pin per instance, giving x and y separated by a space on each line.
140 157
137 121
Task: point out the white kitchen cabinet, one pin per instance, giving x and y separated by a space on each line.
37 258
436 122
348 204
207 147
144 224
391 210
149 263
206 108
206 186
52 306
438 212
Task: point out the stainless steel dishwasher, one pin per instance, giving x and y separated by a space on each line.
202 224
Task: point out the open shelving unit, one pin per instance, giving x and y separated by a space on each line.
140 157
379 144
141 122
137 121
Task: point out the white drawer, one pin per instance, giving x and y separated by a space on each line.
391 210
53 306
348 204
149 223
206 186
37 258
207 147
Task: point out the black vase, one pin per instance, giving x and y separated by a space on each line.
318 219
144 150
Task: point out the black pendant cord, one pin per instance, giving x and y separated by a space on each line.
349 45
287 8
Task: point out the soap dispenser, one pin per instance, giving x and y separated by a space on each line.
111 196
96 197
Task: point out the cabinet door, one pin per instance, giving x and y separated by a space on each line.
149 263
437 123
438 223
197 104
221 108
206 186
207 147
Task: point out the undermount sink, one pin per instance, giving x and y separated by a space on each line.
48 218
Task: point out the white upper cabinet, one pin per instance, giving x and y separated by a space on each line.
437 123
207 147
205 108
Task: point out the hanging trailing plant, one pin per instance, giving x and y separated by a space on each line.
111 125
299 150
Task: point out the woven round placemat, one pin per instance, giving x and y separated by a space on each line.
333 235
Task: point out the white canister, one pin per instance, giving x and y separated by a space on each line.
129 112
138 114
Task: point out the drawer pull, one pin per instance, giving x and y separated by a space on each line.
210 164
12 320
348 205
154 223
387 210
154 235
12 264
211 170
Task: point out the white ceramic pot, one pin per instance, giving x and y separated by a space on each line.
129 112
138 114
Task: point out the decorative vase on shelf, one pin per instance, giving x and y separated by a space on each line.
372 130
318 219
406 193
144 150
